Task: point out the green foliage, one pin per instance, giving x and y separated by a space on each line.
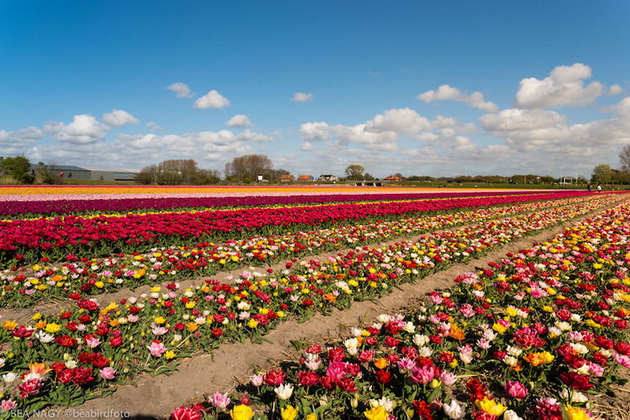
249 167
18 168
355 172
177 172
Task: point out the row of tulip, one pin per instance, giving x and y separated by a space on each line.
30 240
45 206
82 352
29 284
537 335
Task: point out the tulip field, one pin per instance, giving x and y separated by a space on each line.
102 286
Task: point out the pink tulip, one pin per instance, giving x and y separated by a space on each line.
157 349
515 389
107 373
220 401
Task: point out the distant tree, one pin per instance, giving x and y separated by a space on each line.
207 177
421 178
355 173
42 174
275 174
624 157
247 168
147 175
602 174
18 168
176 172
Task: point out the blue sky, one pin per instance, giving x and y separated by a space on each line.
436 88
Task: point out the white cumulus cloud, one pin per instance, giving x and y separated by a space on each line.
315 131
514 120
564 87
251 136
239 121
446 92
119 117
212 99
181 89
383 141
615 90
84 129
307 146
14 142
153 126
403 120
302 97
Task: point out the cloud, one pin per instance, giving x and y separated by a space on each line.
239 121
212 99
307 146
153 126
302 97
446 92
622 109
515 120
381 141
251 136
316 131
209 148
382 132
119 117
16 142
546 136
463 144
402 120
181 89
564 87
84 129
615 90
441 121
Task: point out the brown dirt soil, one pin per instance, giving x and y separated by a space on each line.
154 397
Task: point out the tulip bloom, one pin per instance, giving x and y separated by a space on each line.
288 413
376 413
454 410
490 406
241 412
515 389
284 391
220 401
157 349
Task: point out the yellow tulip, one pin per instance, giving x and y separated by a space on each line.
490 406
381 363
288 413
574 413
9 325
376 413
52 327
241 412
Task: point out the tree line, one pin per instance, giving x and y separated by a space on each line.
605 174
257 168
18 170
243 169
